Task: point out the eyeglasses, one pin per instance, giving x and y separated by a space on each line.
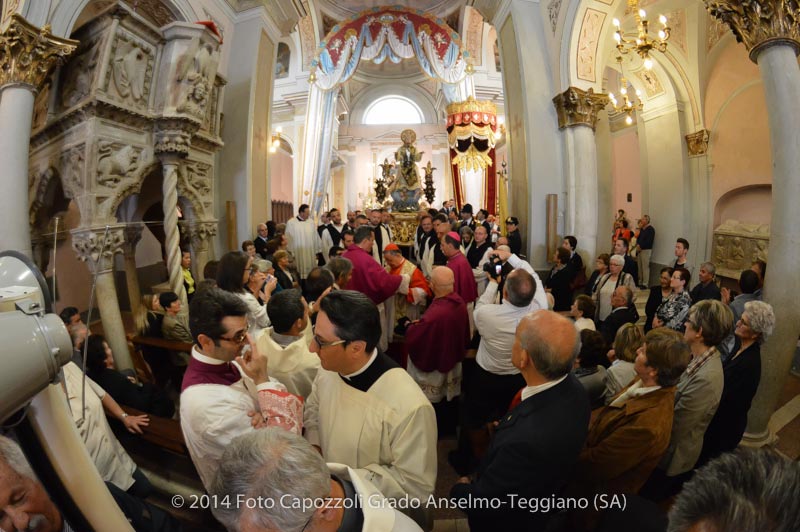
239 338
323 345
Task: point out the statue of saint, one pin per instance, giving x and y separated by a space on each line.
405 188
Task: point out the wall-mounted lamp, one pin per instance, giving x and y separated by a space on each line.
275 140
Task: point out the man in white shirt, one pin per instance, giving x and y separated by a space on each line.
496 380
285 344
276 465
365 411
217 402
304 242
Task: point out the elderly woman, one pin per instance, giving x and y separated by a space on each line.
234 273
742 372
285 276
627 342
600 269
696 399
608 283
658 295
588 366
582 310
672 312
262 283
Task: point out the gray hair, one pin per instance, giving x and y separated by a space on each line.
339 267
743 490
709 267
762 318
269 463
619 260
11 453
544 355
260 265
466 230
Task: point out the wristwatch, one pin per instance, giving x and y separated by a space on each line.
124 415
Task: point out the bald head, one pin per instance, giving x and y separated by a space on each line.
442 281
551 341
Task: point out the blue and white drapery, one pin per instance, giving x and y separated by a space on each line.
415 40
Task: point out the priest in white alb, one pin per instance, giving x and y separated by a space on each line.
304 242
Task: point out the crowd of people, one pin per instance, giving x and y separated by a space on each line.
326 361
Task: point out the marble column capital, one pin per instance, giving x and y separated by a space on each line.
697 142
173 136
97 248
760 24
576 107
201 232
28 53
133 234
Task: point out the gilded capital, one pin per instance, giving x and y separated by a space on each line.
697 143
760 24
576 107
28 53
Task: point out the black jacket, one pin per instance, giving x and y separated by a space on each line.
701 292
532 454
617 319
261 247
559 284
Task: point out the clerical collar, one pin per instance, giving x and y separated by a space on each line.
353 516
364 378
200 357
372 358
284 340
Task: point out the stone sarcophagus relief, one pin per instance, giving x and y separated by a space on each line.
737 245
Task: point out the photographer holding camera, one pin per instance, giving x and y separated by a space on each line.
496 380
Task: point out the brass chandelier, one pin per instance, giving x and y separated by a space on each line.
641 42
625 106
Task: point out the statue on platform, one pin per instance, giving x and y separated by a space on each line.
405 189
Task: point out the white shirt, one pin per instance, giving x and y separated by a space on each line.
497 325
304 243
530 391
212 415
584 323
111 460
636 390
257 319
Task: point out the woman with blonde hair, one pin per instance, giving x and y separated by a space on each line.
148 316
628 340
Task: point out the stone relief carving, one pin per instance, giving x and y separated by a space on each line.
72 164
92 245
115 162
737 244
194 183
37 190
677 34
78 75
174 136
553 9
587 44
130 71
195 74
154 11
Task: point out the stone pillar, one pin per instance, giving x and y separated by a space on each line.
700 215
201 233
133 234
27 55
577 115
96 247
173 137
769 31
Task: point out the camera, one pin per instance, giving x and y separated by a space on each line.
497 268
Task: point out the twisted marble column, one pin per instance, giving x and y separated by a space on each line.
173 239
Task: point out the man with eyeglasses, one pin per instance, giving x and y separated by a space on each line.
364 410
226 389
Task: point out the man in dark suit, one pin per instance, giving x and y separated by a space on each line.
538 442
261 240
512 233
622 311
466 218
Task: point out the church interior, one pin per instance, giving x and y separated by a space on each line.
144 139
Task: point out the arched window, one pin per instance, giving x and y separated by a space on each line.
393 110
